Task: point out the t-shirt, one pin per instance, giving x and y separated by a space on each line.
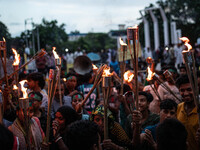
150 121
190 121
152 129
91 101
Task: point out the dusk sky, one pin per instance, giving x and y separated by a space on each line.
82 15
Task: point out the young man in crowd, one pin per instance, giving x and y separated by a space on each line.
19 129
148 118
56 101
164 94
36 83
146 140
171 135
187 112
36 99
83 135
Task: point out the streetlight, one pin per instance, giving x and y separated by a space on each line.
33 40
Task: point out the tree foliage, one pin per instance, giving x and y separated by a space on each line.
93 42
51 35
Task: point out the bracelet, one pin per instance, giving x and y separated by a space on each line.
58 139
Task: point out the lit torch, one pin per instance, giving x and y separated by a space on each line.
94 67
37 55
132 35
149 79
123 49
3 44
57 58
106 90
24 105
16 64
189 59
153 76
128 76
58 63
23 101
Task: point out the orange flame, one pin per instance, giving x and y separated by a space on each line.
17 57
106 72
122 42
55 53
186 43
24 90
15 87
136 26
4 39
150 74
128 76
94 67
64 79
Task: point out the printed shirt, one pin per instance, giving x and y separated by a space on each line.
91 101
191 124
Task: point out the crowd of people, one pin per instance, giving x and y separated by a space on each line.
162 121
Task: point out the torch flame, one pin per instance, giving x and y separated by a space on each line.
17 57
186 40
128 76
106 72
23 89
15 87
136 26
4 39
94 67
64 79
122 42
55 53
133 28
150 74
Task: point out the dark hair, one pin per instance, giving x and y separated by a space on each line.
37 76
126 88
6 138
168 104
182 67
148 96
69 114
82 135
171 134
183 79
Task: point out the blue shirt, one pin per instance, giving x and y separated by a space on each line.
152 129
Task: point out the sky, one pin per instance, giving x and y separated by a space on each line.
82 15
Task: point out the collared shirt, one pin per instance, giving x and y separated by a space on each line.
191 124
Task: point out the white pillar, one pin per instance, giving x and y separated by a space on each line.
165 25
156 32
179 35
146 31
173 33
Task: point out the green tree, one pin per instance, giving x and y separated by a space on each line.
51 35
4 33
